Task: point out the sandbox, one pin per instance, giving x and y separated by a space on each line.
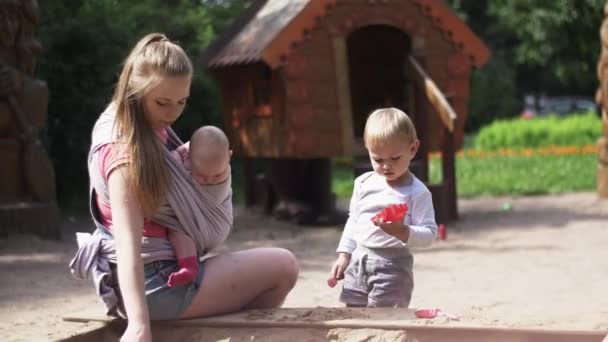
322 324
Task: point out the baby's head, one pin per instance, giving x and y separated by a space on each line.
209 155
391 140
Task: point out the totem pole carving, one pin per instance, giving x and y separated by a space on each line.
602 99
27 174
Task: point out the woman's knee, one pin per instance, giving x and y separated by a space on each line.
288 265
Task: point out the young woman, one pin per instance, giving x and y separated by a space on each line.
130 179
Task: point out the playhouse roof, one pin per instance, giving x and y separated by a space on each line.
267 29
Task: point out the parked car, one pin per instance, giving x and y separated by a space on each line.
537 106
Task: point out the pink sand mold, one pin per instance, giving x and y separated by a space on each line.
434 312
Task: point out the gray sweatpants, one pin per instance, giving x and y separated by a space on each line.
379 277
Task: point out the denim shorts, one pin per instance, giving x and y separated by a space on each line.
379 277
166 302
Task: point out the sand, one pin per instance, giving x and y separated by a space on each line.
542 264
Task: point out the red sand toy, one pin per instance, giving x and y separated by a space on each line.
393 213
434 312
332 282
442 233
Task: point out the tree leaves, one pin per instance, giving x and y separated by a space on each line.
84 43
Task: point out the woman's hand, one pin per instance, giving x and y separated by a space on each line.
337 270
137 332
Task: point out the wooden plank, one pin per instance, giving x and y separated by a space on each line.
363 318
434 95
602 180
462 334
415 332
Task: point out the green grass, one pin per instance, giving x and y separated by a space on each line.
342 180
504 175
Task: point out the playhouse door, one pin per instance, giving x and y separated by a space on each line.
375 62
376 56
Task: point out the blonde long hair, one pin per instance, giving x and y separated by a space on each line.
153 58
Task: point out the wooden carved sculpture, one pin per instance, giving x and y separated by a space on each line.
602 99
27 176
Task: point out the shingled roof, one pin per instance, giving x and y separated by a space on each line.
267 29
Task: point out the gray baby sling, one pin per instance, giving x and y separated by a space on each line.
189 208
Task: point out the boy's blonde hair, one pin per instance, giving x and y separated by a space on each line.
386 124
154 58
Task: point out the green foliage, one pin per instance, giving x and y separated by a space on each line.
493 94
559 36
574 130
518 175
342 179
84 44
538 47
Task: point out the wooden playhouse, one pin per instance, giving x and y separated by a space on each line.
298 79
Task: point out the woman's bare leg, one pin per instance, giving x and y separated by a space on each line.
255 278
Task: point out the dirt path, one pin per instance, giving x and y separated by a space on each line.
543 264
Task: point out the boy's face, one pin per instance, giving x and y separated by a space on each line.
213 171
392 159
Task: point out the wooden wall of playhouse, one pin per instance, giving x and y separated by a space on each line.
303 108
